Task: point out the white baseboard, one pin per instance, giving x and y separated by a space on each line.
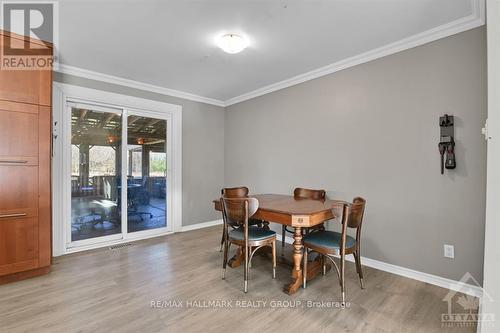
201 225
439 281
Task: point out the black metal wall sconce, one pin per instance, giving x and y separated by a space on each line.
447 142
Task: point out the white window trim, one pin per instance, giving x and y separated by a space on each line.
64 92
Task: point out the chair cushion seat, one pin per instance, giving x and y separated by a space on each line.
328 239
254 234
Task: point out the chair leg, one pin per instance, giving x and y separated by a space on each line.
323 260
246 270
342 275
359 269
283 232
304 273
274 258
224 262
222 239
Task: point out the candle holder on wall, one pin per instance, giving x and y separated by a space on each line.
447 142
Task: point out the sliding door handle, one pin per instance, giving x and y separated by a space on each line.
14 161
5 216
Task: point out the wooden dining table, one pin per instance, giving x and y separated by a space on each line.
297 213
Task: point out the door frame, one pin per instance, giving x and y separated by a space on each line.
62 93
490 305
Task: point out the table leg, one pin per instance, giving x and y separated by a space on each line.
315 267
296 283
237 259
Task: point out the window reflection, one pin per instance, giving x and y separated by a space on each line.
95 169
147 171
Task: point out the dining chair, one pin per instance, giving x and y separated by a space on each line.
330 243
236 192
302 193
236 213
138 195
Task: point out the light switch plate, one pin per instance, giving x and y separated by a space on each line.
449 251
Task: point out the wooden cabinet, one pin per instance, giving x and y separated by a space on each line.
25 86
18 131
19 191
18 245
25 170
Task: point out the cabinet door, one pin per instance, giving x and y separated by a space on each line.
18 244
18 190
18 132
27 86
19 224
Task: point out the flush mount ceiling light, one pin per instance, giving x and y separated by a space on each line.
232 43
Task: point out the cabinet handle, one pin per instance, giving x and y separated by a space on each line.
14 161
12 215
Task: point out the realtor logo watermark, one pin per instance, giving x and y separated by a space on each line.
463 309
36 20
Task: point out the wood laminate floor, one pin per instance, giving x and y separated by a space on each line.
113 290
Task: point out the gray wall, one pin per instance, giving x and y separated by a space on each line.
372 131
202 148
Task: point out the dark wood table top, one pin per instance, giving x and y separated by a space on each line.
285 209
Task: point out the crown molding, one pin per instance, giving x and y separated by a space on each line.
476 19
88 74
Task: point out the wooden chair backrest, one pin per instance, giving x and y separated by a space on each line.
235 192
356 213
305 193
237 211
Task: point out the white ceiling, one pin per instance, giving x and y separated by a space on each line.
171 43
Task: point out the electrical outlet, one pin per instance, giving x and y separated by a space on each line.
449 251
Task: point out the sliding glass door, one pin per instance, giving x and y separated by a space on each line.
96 140
119 174
147 173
